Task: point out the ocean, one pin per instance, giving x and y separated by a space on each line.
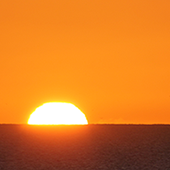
85 147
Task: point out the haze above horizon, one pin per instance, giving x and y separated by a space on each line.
109 58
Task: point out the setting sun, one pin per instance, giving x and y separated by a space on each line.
57 113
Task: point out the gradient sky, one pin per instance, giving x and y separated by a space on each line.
109 58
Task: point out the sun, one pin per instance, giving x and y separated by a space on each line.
57 113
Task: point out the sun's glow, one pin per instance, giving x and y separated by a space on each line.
57 113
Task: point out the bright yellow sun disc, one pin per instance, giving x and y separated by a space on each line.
57 113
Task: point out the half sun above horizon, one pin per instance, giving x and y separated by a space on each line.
57 113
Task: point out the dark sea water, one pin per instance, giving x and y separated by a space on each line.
90 147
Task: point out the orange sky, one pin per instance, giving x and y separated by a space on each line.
110 58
